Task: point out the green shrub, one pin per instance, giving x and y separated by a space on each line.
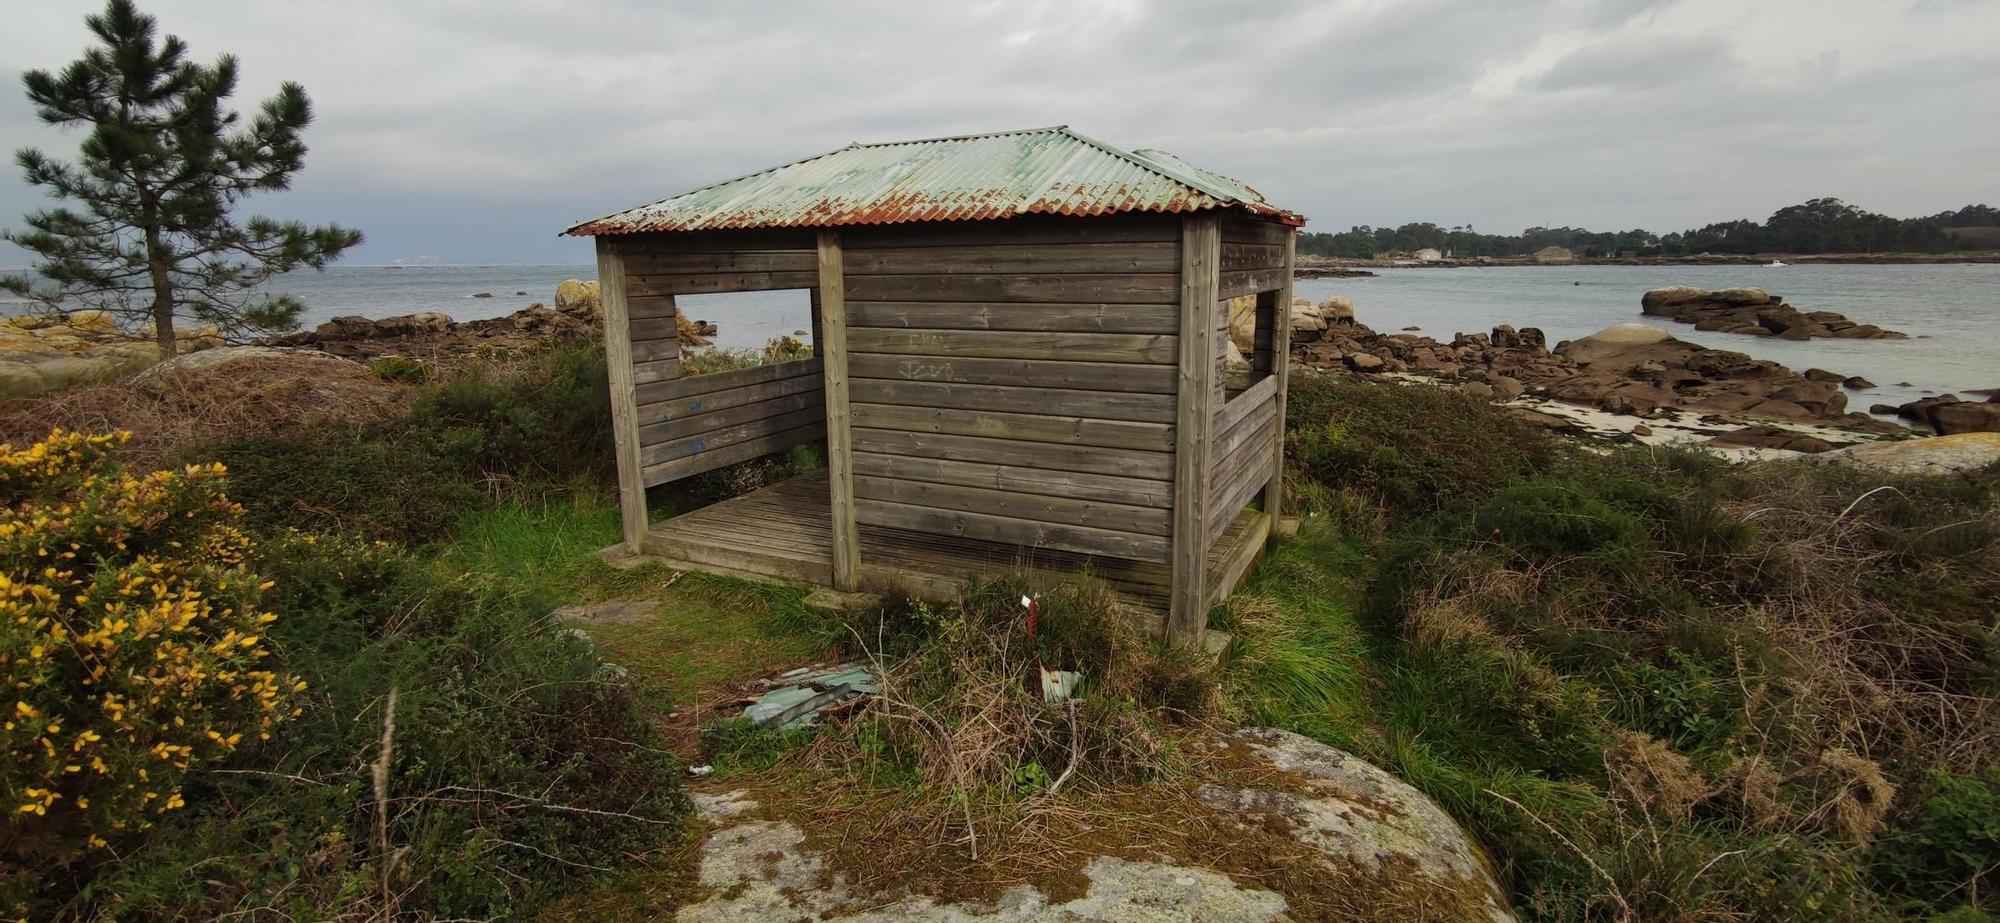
517 761
135 651
549 419
1949 852
1417 449
1551 520
381 482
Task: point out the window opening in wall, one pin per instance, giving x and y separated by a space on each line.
1251 336
744 329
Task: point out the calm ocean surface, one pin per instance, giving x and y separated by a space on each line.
1952 311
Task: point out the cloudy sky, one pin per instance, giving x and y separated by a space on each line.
474 130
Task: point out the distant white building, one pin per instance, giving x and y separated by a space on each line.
1429 255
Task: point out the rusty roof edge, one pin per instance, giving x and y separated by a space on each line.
571 231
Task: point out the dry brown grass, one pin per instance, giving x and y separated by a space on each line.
172 410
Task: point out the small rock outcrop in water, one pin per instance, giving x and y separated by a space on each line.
1755 312
1949 414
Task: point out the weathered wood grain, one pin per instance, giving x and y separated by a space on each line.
723 437
1108 405
624 414
1123 288
1157 256
715 283
1240 230
691 385
660 411
723 261
649 371
1251 281
1026 316
1114 434
1090 459
993 344
1018 478
1239 257
651 307
833 346
668 430
1187 616
1280 352
654 350
1037 373
1025 532
731 454
1038 507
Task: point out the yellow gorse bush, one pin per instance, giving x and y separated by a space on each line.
133 648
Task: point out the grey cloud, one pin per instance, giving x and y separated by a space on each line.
476 130
1641 62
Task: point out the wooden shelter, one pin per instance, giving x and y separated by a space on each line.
1023 357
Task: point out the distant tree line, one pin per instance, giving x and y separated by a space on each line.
1817 226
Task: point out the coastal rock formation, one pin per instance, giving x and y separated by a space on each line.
39 351
1755 312
1627 368
1947 414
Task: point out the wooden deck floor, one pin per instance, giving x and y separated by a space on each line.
786 531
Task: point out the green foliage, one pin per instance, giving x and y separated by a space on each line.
400 369
1694 684
1417 449
550 420
163 165
517 762
378 482
134 653
1950 851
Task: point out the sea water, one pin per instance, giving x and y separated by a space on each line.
1951 311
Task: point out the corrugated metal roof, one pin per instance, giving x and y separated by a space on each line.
965 178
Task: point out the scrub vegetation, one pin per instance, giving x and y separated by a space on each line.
1654 686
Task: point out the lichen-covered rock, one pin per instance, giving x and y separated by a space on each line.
575 293
1360 816
1936 455
764 872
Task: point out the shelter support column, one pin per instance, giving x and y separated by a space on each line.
832 348
624 399
1201 251
1281 364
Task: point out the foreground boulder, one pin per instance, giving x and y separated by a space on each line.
1936 455
1300 829
1362 819
1754 312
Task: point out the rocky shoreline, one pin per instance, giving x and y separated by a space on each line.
1632 370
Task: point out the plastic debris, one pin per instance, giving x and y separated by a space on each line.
797 704
1059 685
700 770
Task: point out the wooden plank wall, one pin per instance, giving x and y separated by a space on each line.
688 424
1014 381
1245 427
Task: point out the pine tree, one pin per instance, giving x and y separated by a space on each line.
158 176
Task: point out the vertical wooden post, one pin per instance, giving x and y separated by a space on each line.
1281 364
832 347
1201 252
624 400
